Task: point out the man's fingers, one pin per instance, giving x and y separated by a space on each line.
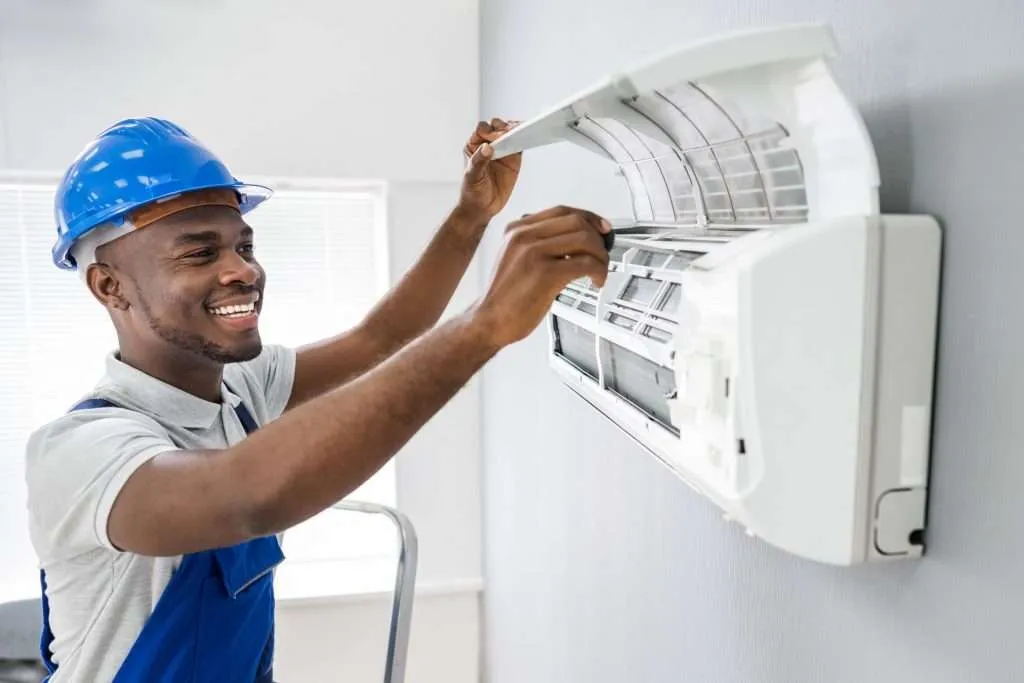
494 136
599 223
479 136
573 244
552 227
576 267
487 132
572 230
478 161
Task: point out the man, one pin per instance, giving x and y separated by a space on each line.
155 503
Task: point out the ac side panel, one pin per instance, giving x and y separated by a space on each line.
906 357
802 328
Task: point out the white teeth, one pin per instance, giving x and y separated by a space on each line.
236 311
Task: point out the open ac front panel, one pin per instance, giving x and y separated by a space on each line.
764 331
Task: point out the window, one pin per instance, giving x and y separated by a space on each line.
323 245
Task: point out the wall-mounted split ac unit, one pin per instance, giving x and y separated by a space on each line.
764 331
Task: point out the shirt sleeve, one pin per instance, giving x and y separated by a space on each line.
75 469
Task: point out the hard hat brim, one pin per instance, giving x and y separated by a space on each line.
250 196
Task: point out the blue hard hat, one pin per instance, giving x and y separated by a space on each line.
129 165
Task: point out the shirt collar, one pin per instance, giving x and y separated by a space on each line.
132 388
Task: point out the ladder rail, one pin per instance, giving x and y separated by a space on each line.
405 585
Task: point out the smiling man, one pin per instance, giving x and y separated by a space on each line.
155 503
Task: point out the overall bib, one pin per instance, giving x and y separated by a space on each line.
215 619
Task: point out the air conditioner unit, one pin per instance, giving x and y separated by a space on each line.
764 331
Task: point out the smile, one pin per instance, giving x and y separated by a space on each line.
237 311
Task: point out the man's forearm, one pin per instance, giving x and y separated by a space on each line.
320 452
416 303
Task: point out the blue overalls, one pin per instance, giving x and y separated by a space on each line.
215 619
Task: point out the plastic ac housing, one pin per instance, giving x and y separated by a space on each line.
764 331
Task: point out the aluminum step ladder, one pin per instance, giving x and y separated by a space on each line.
405 585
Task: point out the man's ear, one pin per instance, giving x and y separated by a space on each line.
106 286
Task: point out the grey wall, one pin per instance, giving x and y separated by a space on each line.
600 566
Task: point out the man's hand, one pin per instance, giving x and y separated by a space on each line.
543 252
487 185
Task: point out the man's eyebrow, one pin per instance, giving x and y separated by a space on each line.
198 237
247 231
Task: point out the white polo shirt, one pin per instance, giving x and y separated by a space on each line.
76 465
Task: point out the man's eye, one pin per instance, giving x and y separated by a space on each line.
200 254
246 249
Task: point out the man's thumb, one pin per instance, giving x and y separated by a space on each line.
478 162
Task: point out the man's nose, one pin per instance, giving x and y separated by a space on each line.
239 270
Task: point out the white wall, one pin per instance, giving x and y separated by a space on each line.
601 567
306 87
439 469
347 640
310 88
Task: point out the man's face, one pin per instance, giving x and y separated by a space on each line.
193 283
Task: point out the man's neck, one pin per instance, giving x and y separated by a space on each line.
199 377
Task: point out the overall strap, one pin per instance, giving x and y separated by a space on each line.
244 416
46 638
93 403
